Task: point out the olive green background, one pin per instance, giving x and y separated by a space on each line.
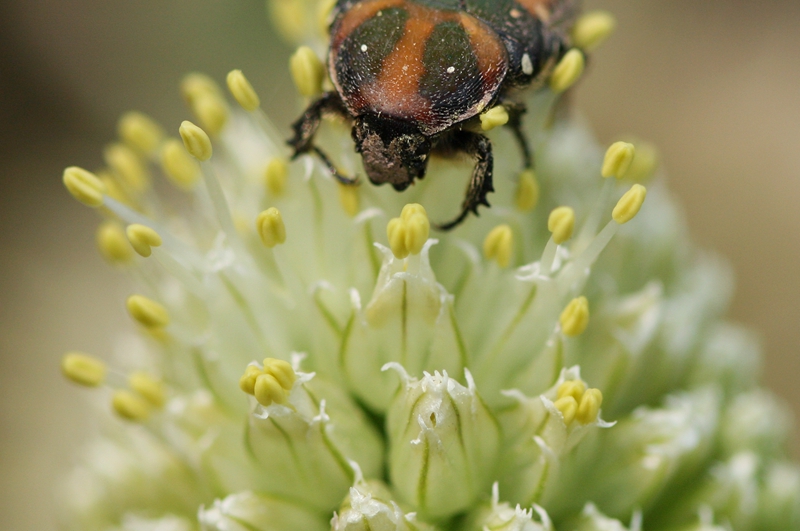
716 85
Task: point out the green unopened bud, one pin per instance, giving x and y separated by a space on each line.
779 499
499 516
246 510
756 421
408 320
443 444
303 445
369 507
591 519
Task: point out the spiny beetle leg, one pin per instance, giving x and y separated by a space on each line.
515 113
480 148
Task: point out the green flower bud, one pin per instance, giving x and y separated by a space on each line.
499 516
409 319
302 448
779 499
756 421
369 507
591 519
246 511
443 444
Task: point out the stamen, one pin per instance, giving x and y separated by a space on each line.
494 117
527 194
143 238
84 186
113 188
83 369
589 406
408 233
567 71
348 198
592 29
561 223
269 384
196 141
498 245
206 102
275 174
147 312
140 132
148 387
618 159
179 167
575 317
242 90
307 70
630 204
568 407
113 244
573 388
645 163
130 406
124 162
270 227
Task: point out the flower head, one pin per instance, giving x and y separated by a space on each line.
319 358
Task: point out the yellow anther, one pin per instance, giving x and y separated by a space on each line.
147 312
561 223
247 382
142 238
498 245
568 407
629 204
83 369
196 85
289 17
494 117
282 371
575 317
270 227
212 112
348 198
645 162
148 387
179 167
130 406
573 388
589 406
84 186
527 194
592 29
567 71
113 189
113 244
140 132
275 175
618 159
408 233
268 390
124 162
324 15
196 141
242 90
307 70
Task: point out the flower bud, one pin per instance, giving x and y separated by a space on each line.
369 507
245 511
408 320
591 519
443 444
779 505
499 516
302 447
755 421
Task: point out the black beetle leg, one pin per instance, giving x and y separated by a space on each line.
480 184
515 113
307 125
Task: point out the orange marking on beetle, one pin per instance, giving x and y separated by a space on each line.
357 15
488 49
538 8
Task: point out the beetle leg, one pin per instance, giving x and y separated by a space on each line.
479 147
306 127
515 113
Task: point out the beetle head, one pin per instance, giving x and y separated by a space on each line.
393 151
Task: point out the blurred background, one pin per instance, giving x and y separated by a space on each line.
715 85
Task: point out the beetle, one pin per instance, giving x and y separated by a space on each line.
412 76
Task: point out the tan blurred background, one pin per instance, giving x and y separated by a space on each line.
716 85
